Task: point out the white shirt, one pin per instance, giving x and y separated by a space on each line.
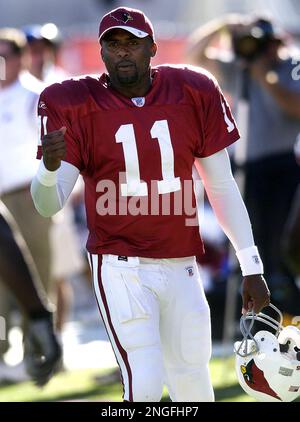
18 136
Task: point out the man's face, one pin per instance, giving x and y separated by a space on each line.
13 62
126 57
39 54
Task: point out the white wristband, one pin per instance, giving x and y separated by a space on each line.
250 261
46 177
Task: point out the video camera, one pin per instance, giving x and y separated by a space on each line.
254 41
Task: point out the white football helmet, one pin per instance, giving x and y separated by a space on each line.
268 365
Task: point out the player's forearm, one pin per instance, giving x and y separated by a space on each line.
230 210
50 190
233 217
46 198
231 213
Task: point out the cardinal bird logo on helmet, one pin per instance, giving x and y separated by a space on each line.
125 17
256 380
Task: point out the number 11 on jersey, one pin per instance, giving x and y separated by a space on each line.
134 186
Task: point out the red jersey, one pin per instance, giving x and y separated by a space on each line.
136 156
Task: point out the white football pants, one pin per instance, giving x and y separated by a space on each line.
158 321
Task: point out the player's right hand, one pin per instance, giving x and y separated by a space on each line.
54 148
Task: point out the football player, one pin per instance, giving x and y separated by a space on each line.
134 134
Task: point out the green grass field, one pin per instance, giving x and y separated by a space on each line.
98 385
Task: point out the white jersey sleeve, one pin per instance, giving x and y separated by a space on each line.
51 189
230 210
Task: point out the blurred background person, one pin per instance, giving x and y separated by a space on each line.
256 70
53 244
18 131
42 69
42 54
18 134
291 239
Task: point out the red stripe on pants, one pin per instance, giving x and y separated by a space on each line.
122 352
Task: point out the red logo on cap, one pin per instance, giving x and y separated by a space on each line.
125 17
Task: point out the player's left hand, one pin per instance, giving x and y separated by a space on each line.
42 351
255 293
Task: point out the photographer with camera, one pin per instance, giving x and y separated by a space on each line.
256 70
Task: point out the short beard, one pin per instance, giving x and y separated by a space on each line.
128 80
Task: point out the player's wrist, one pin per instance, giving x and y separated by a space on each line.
250 261
46 177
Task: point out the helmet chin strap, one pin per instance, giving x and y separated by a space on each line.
246 325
